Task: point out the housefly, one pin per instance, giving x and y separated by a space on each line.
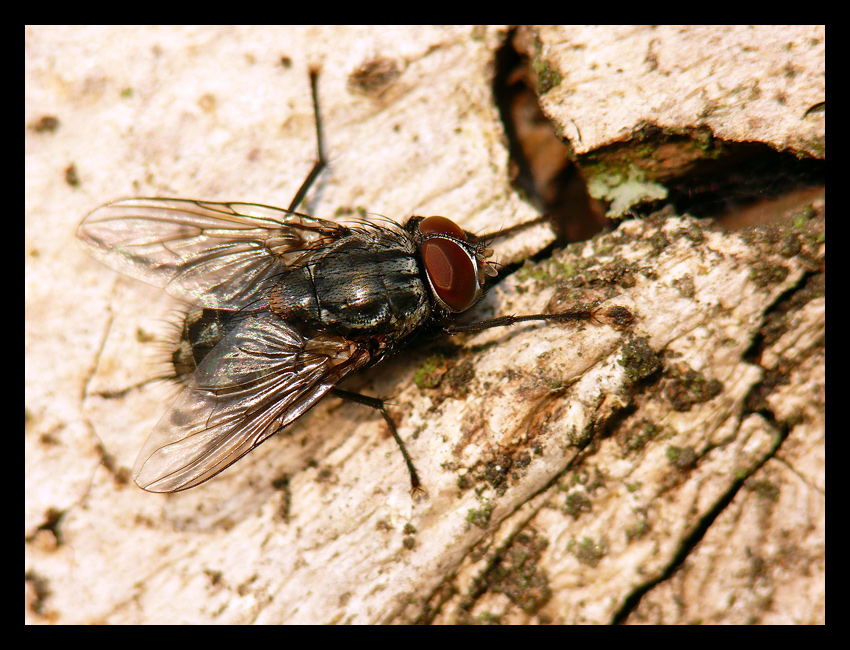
285 306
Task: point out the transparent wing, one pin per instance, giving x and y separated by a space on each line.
210 254
258 379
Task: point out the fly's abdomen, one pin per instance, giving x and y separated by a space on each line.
202 330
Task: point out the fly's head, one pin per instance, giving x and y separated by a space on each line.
456 265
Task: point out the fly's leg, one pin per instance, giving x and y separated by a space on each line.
616 316
416 488
321 160
505 232
503 321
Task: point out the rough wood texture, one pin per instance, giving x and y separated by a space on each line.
568 467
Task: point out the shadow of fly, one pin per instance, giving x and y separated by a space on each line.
285 306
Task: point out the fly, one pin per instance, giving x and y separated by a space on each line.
285 306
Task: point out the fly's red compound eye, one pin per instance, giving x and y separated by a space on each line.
441 226
449 267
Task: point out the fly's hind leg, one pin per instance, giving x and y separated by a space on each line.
416 488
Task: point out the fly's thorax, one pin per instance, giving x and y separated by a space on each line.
367 283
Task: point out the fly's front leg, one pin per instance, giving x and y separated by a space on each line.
416 488
505 232
504 321
615 316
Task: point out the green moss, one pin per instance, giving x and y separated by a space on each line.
588 552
